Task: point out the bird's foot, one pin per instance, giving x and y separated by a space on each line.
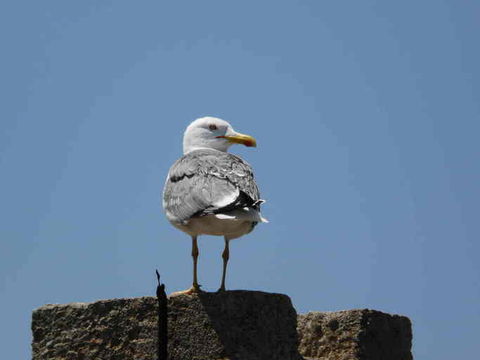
195 289
222 289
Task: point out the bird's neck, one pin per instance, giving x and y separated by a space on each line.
188 149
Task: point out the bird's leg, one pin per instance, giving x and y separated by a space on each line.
195 287
225 256
195 252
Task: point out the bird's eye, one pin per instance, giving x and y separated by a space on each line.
212 127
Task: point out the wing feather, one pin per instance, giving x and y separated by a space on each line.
208 182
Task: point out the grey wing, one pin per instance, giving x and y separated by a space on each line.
241 174
204 183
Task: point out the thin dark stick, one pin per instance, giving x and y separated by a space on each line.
162 351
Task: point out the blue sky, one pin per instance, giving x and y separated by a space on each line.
366 115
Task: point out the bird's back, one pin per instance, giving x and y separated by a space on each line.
209 182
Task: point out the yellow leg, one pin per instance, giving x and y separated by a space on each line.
195 253
225 256
195 287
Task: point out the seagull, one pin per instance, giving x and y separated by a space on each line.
209 191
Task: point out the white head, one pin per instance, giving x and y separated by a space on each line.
213 133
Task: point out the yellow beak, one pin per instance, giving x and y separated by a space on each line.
238 138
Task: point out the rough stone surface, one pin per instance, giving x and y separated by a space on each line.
234 325
354 335
116 329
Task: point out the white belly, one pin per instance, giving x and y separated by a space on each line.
231 225
210 225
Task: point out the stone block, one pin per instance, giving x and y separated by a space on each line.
117 329
354 335
234 325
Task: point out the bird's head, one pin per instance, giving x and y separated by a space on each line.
213 133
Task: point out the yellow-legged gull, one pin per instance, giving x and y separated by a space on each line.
211 192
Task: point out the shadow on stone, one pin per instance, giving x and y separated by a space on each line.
234 325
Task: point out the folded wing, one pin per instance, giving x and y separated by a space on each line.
206 182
